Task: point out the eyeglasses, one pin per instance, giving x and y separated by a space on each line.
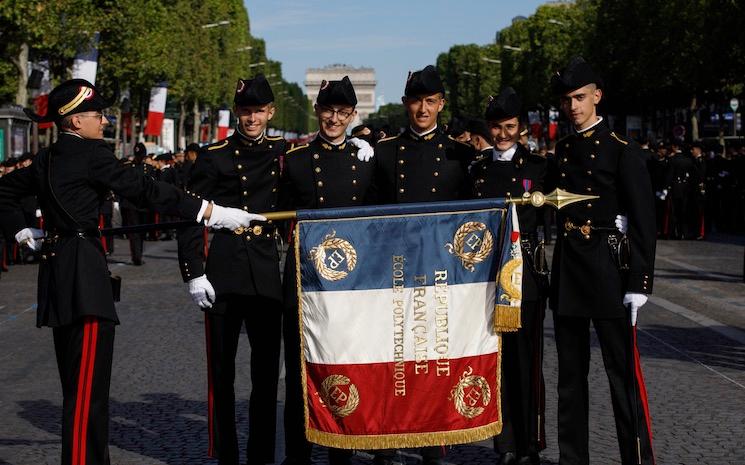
328 113
97 115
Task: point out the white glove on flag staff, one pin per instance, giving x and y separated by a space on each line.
202 292
634 301
365 152
30 237
231 218
622 223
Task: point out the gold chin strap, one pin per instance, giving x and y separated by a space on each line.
85 93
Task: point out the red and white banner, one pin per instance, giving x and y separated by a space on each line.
223 123
156 110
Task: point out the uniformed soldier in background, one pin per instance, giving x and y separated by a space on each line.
680 183
240 285
423 164
598 273
505 168
75 295
698 192
658 166
330 171
132 214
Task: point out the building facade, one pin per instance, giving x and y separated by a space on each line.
363 80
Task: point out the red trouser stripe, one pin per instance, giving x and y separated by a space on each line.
88 390
210 394
104 242
82 399
642 390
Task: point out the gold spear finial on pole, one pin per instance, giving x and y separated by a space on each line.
558 199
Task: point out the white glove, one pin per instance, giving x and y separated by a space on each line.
202 292
365 152
231 218
30 237
37 213
662 195
622 223
115 207
634 301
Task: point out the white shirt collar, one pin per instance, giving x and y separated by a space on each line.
329 142
422 134
259 137
580 131
506 155
70 133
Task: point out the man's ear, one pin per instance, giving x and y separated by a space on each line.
271 110
598 95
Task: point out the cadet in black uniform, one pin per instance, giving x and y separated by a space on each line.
422 164
588 279
241 171
698 191
657 166
681 174
507 170
75 298
132 214
331 171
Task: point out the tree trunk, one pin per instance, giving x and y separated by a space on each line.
195 114
181 123
22 66
118 134
694 119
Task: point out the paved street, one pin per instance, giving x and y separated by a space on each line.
691 337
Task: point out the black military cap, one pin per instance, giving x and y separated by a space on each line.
477 126
457 126
140 151
193 147
70 97
424 82
256 91
163 156
697 143
506 105
337 93
578 73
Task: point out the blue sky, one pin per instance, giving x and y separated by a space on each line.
392 36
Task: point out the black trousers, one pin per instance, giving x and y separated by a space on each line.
132 217
84 351
262 318
297 447
523 393
628 394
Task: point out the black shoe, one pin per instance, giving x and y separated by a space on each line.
139 262
532 459
508 458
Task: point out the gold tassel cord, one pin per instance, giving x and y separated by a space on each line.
506 319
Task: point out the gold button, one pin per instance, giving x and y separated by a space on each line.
320 183
592 156
240 167
566 145
513 179
589 171
589 205
315 156
437 159
274 173
320 199
354 197
274 189
353 154
354 181
439 146
597 142
354 167
434 189
243 178
565 159
318 169
588 222
402 148
479 194
245 207
245 192
401 190
589 189
237 152
400 162
270 146
563 175
275 160
401 176
435 174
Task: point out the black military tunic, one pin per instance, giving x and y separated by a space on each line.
244 270
523 396
586 280
588 285
315 175
428 168
682 183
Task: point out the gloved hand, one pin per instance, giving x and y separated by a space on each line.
662 195
634 301
231 218
365 152
202 292
38 213
30 237
115 207
622 223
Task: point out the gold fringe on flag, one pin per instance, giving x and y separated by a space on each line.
506 318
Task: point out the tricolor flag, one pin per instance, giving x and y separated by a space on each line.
85 65
397 310
223 123
156 109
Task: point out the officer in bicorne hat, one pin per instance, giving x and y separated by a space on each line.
602 268
239 285
75 296
330 171
505 168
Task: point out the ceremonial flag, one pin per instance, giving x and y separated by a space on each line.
85 65
223 123
156 109
398 311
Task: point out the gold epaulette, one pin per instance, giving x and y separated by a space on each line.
296 148
218 145
613 134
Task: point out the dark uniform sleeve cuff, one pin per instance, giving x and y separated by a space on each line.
641 283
